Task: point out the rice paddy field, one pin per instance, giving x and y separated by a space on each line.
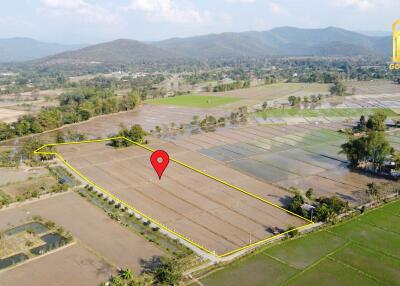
373 87
275 91
199 101
204 210
331 112
301 156
362 251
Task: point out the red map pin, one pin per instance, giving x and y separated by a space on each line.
159 159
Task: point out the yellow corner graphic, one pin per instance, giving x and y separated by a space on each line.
396 41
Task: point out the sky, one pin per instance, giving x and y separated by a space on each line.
90 21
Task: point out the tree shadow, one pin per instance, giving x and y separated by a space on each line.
274 230
150 264
285 200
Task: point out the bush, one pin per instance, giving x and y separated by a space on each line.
136 134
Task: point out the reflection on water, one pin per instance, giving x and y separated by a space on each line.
6 262
34 227
53 241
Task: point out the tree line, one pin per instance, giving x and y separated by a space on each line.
239 84
75 106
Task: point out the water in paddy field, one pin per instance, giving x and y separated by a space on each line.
17 258
36 227
53 240
190 129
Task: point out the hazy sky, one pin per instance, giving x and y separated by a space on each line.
90 21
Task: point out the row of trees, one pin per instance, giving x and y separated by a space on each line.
76 106
231 86
375 122
296 100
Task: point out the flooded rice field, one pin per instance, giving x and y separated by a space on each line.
301 156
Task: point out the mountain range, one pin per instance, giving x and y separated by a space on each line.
25 49
283 41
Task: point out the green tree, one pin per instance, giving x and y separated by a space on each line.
269 80
362 125
127 274
374 190
5 131
50 118
169 272
310 193
321 212
396 159
60 137
293 100
117 281
338 88
295 203
135 133
376 122
378 148
355 150
84 114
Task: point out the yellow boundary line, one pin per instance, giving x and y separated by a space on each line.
39 152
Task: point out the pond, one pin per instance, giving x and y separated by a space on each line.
53 241
6 262
35 227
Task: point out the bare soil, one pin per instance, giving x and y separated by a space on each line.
202 209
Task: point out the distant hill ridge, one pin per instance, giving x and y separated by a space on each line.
115 52
283 41
25 49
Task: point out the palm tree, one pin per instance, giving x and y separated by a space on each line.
127 274
374 191
331 216
346 207
117 281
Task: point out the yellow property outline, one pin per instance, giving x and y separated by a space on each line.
39 152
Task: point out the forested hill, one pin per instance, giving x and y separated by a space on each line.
116 52
284 41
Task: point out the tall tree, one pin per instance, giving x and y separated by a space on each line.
338 88
169 272
378 149
376 122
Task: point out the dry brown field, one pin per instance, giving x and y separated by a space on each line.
9 115
73 265
206 211
42 184
11 175
94 229
373 87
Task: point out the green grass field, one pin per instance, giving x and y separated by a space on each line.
362 251
331 112
194 101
